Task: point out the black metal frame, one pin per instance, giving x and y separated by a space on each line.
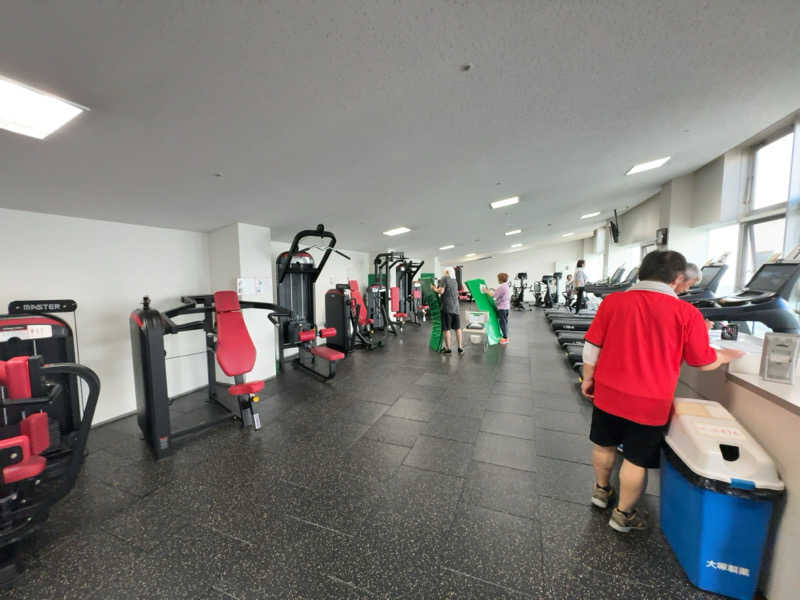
405 272
61 470
383 264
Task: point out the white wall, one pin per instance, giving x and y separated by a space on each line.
242 250
535 262
107 267
641 222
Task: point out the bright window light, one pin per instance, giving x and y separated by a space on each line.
646 166
516 245
568 234
448 247
505 202
397 231
590 215
514 232
28 111
470 254
772 172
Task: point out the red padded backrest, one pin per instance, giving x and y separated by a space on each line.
236 353
394 294
14 375
327 332
355 296
416 294
36 428
226 301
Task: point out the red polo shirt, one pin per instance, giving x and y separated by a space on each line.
644 335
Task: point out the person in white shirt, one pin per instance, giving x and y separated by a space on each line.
580 282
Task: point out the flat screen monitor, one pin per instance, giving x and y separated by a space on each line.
709 273
771 277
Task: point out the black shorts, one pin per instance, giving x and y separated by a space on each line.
641 444
451 321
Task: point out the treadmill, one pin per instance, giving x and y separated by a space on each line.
705 288
581 322
552 313
771 297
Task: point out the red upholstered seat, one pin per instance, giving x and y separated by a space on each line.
400 315
424 307
242 389
236 353
370 321
28 468
326 353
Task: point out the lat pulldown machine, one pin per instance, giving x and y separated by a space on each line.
383 298
409 297
297 274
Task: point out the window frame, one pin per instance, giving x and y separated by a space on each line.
750 212
747 248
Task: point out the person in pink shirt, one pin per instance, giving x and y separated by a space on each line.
502 300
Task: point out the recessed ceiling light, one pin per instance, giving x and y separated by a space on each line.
397 231
514 232
568 234
646 166
470 254
448 247
590 215
505 202
28 111
516 245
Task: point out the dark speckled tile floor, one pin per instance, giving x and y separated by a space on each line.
410 475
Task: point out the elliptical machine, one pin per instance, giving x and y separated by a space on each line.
297 274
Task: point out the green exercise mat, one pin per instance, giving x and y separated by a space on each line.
485 302
431 298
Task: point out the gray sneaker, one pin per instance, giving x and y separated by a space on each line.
600 497
623 523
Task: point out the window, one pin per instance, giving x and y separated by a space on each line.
763 242
771 171
724 241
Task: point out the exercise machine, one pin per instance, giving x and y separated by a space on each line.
409 303
771 297
464 294
43 433
227 342
346 313
297 275
704 289
518 293
385 299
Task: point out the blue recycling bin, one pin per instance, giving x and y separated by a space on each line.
718 489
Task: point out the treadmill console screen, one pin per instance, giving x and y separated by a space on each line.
771 277
708 276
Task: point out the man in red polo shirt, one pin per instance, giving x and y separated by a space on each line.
631 361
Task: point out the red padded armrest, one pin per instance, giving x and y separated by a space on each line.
306 336
327 332
38 431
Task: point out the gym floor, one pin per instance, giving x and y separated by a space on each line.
410 475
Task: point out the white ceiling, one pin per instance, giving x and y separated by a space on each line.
357 115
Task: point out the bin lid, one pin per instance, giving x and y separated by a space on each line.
713 444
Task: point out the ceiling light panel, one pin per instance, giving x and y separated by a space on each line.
514 232
448 247
505 202
590 215
647 166
33 113
397 231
